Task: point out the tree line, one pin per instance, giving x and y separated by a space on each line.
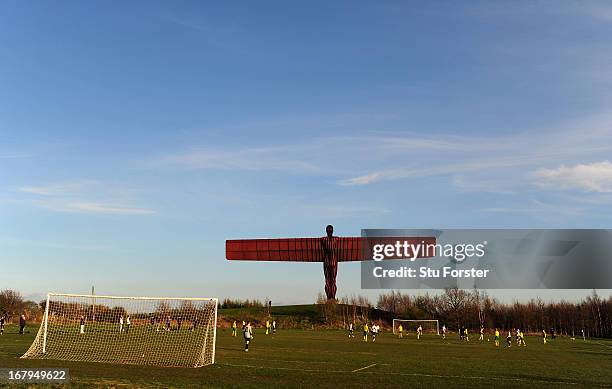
457 307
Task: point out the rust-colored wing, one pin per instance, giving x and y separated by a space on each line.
347 249
290 249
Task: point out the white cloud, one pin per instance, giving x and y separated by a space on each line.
94 208
593 177
84 196
58 188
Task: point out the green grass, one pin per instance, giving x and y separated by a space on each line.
296 358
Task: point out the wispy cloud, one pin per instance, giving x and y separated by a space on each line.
93 208
495 163
498 155
58 188
593 177
83 196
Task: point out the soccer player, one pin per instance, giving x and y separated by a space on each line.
461 332
121 323
234 328
167 323
2 320
366 330
128 322
374 332
481 338
179 321
522 338
351 329
22 323
400 329
247 332
509 339
82 325
465 335
496 337
444 332
267 327
518 338
544 336
419 332
274 326
194 324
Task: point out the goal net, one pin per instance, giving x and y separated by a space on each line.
428 326
127 330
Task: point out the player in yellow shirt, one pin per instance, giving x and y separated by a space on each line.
496 337
234 328
521 338
481 338
400 329
267 327
366 330
544 336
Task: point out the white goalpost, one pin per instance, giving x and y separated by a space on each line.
160 331
428 326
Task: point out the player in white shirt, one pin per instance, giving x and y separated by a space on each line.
247 332
375 329
444 332
121 323
419 332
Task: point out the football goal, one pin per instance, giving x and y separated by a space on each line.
127 330
428 326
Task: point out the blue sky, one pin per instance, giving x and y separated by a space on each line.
135 138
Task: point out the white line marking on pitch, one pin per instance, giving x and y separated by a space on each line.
601 344
363 368
318 371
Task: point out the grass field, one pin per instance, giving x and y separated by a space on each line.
297 358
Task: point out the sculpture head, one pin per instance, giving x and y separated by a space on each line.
329 230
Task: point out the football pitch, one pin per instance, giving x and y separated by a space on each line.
327 358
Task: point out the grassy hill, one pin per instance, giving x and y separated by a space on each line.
306 315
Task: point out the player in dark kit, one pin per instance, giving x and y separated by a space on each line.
22 323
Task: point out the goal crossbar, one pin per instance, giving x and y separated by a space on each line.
95 296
